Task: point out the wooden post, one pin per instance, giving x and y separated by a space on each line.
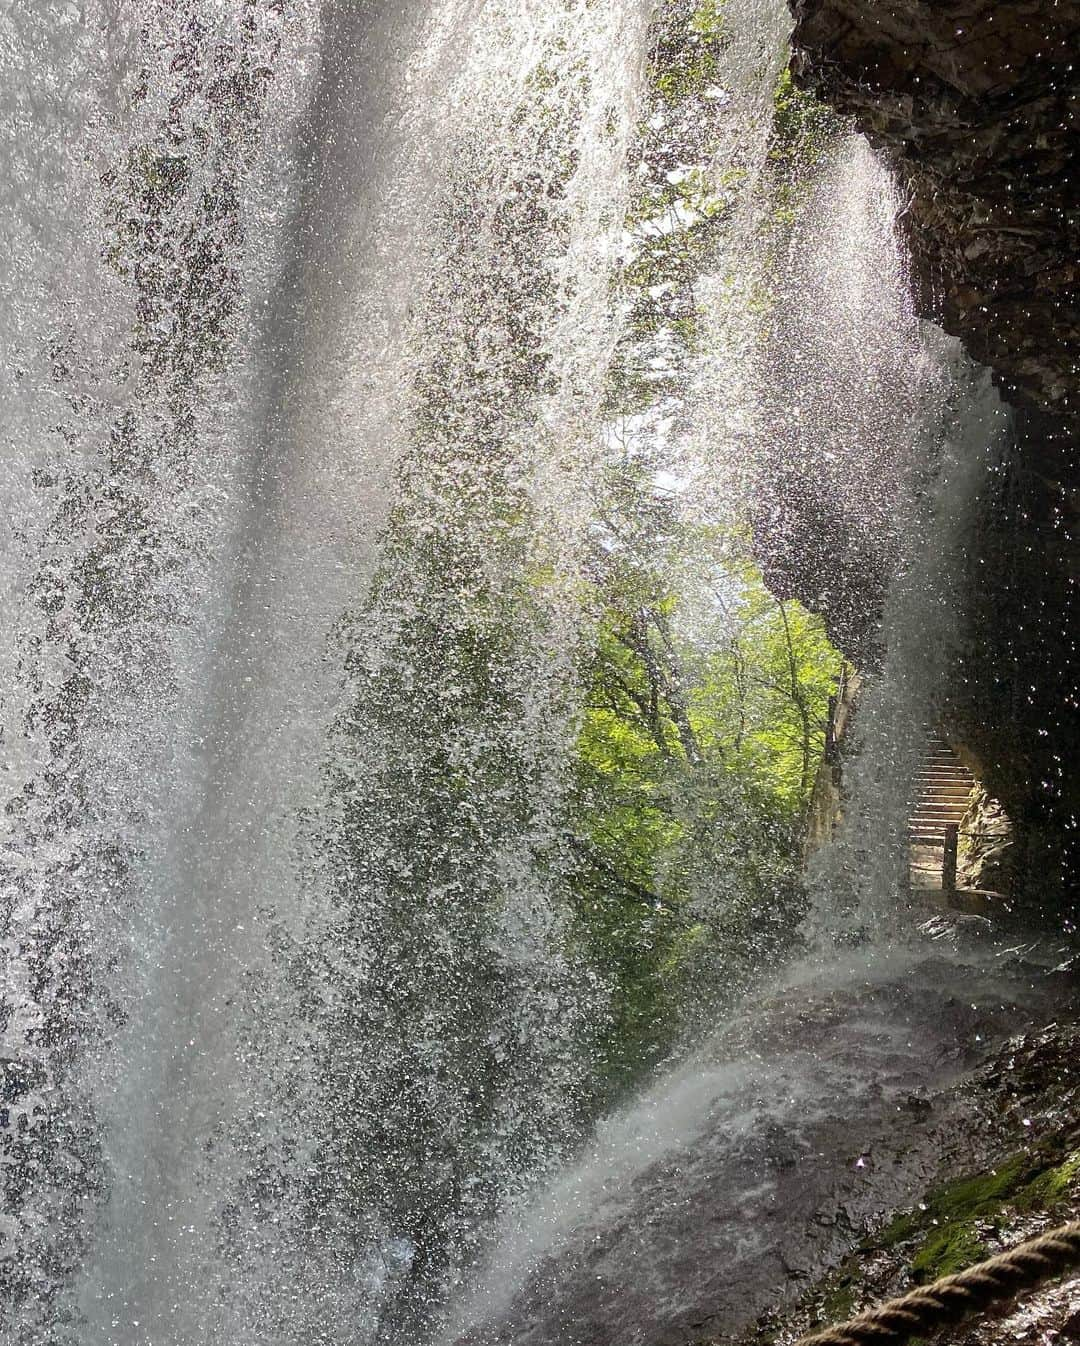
948 862
830 731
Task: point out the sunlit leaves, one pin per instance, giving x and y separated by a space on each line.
700 735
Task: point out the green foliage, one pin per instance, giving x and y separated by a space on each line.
621 745
698 745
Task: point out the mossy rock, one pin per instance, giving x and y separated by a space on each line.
1052 1187
948 1251
951 1228
838 1297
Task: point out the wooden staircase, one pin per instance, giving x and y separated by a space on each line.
942 787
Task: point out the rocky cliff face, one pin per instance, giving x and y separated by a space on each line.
976 102
975 105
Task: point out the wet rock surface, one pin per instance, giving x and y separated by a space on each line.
976 103
1021 1178
758 1168
987 852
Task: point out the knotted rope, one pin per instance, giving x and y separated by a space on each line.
954 1297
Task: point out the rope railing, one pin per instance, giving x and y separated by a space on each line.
952 1298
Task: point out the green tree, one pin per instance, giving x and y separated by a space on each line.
700 736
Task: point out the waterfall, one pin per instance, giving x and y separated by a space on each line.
862 880
832 398
314 335
255 240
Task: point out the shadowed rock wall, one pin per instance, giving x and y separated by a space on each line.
976 102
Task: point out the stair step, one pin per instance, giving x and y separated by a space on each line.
942 788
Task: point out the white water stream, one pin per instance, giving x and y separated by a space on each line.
270 264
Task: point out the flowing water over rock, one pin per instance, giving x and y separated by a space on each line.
749 1169
308 340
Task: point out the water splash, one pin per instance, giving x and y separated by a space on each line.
306 353
862 879
866 444
276 195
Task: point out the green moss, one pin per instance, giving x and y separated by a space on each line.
982 1193
1051 1187
951 1228
688 50
901 1230
953 1221
802 124
686 329
948 1251
708 19
838 1298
